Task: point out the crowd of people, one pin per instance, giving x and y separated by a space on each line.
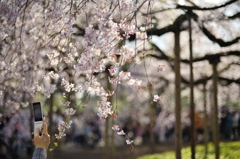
229 124
164 125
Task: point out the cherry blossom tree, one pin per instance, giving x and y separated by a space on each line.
43 42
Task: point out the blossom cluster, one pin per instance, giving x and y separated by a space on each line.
156 98
122 133
62 127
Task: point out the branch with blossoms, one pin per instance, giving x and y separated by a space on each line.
122 133
63 126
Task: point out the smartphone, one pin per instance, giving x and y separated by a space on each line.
38 117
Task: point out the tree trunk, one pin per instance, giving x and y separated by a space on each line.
216 133
178 126
205 119
106 143
192 107
113 142
214 63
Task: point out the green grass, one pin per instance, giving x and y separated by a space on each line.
228 150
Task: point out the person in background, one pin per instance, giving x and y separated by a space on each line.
3 150
3 145
235 119
228 127
41 142
78 130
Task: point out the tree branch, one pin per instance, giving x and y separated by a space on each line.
204 8
218 40
225 81
170 28
213 56
237 15
222 80
80 31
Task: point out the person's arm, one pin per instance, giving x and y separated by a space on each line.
39 153
41 143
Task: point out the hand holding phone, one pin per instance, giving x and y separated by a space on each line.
38 118
43 140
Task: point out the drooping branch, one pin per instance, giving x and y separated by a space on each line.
213 56
205 8
222 80
226 81
237 15
228 66
80 31
220 42
170 28
193 7
208 57
197 82
212 37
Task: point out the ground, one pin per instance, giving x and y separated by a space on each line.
123 152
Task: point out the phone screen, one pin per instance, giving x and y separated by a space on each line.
37 110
